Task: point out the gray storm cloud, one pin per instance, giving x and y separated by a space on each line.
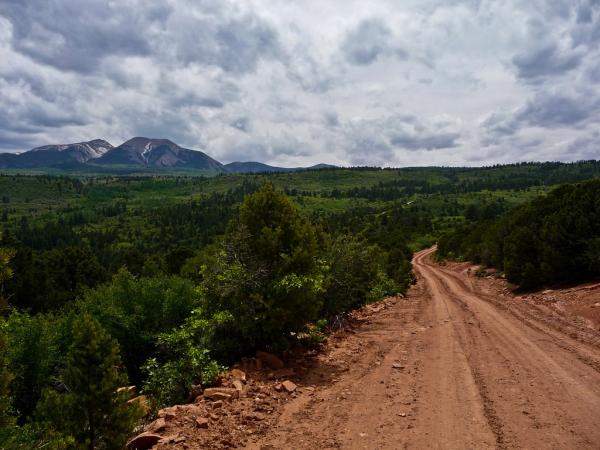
394 83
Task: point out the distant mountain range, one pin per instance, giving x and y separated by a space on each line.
137 152
52 155
257 167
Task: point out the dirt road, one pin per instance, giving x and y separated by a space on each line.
449 367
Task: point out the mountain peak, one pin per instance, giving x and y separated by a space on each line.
157 152
99 142
143 141
80 152
95 143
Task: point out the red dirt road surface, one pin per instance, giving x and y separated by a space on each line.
455 365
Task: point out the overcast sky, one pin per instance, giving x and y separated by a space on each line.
290 82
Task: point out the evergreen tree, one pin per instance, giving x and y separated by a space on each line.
6 273
6 420
270 276
90 410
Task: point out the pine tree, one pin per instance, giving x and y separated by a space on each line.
270 276
6 420
6 273
90 410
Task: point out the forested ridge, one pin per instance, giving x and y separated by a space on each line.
177 277
552 239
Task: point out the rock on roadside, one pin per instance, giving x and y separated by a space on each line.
289 386
144 441
221 393
270 360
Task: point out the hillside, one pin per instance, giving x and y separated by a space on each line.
552 239
257 167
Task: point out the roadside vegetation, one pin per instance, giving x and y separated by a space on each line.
163 282
552 239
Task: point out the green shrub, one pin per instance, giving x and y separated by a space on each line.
136 310
184 360
551 239
36 346
6 417
314 334
382 286
355 269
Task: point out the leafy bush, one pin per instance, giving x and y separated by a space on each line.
184 360
34 436
382 286
6 418
6 273
135 311
36 346
353 267
314 334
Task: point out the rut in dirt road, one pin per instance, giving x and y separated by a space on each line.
449 367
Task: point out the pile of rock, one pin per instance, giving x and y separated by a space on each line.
226 414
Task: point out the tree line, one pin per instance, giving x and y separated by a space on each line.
552 239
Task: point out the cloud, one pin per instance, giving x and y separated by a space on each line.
544 61
211 32
382 141
23 113
75 35
371 39
370 151
345 82
592 73
584 13
242 123
586 147
412 133
547 110
72 35
425 141
554 109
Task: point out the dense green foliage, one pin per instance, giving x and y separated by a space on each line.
135 311
269 277
72 234
357 272
6 419
552 239
184 359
